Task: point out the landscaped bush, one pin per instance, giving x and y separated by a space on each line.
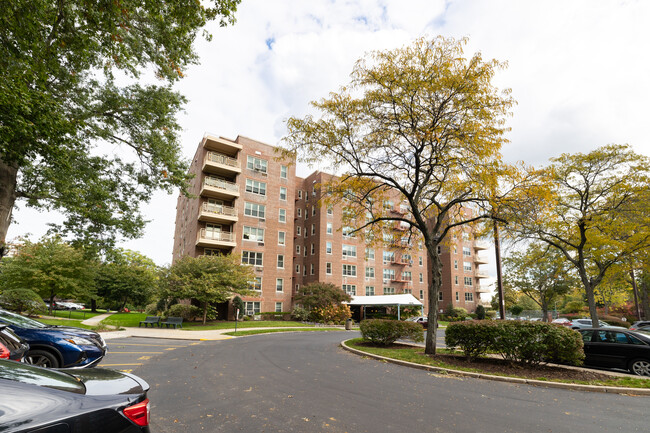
331 314
522 342
152 309
187 312
386 332
276 316
22 301
300 313
454 314
615 321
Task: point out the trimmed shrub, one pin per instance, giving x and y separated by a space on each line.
187 312
331 313
520 342
615 321
22 301
386 332
152 309
299 313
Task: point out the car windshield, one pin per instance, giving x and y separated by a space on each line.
21 321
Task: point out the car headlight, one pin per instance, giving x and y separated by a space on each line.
79 341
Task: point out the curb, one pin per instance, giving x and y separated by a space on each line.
633 392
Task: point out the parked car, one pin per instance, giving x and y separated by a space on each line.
422 320
71 400
562 321
56 346
11 345
62 305
586 323
639 324
616 348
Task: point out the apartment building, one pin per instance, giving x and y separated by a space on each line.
249 203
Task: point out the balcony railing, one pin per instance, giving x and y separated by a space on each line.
221 184
217 209
219 158
216 235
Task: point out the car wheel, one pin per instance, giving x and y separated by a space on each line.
640 367
41 358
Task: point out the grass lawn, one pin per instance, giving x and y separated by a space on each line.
66 322
197 326
125 319
416 355
268 331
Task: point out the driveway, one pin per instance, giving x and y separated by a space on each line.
304 382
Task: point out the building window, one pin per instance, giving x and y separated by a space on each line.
253 234
313 211
467 266
347 232
389 290
408 291
251 258
407 276
279 284
297 269
284 170
299 210
280 261
455 264
282 216
298 232
330 210
304 270
256 164
328 248
283 193
306 213
388 274
252 308
278 307
255 187
349 251
282 238
311 269
370 290
299 196
469 297
456 280
305 231
467 251
465 236
420 260
349 270
304 250
421 294
421 277
457 298
329 228
254 210
298 249
370 273
467 281
370 254
440 296
313 249
328 268
255 284
211 252
313 229
388 257
350 289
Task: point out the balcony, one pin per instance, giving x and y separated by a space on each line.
479 260
210 239
482 289
481 274
216 213
481 246
219 163
219 188
221 145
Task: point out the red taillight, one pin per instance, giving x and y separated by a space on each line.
4 352
138 413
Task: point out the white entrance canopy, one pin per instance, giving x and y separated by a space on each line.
386 301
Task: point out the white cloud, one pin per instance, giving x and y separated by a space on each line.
578 70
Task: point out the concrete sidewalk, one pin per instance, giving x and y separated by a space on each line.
94 321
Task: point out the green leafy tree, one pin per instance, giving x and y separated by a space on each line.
51 268
421 123
22 300
320 295
209 279
589 208
64 114
540 273
126 277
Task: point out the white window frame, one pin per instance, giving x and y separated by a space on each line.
257 164
256 187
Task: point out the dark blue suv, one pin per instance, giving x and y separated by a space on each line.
56 346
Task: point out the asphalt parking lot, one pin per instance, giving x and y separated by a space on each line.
127 354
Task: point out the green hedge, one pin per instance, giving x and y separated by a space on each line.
522 342
386 332
276 316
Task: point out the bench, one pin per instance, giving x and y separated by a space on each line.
175 321
150 320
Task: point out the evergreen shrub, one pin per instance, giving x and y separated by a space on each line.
386 332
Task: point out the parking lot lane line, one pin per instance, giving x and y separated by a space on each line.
171 348
144 358
127 370
120 365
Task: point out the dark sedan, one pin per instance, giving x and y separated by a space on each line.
36 399
11 345
56 346
615 348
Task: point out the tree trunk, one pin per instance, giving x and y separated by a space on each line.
205 312
544 309
93 305
434 289
8 179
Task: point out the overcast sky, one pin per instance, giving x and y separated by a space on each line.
578 69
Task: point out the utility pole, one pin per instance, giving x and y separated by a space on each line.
497 251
